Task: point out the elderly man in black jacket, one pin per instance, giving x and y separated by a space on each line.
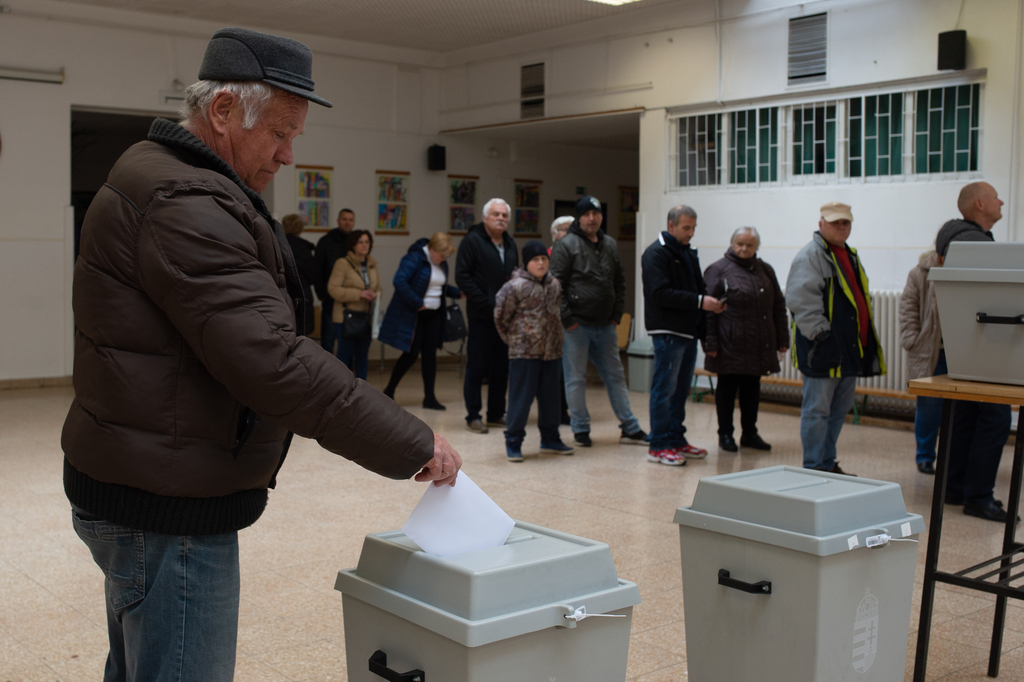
487 256
674 303
587 264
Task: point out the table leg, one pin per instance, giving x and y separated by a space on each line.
1008 546
931 562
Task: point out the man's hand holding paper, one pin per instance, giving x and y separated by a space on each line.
445 465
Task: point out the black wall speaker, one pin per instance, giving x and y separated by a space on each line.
435 157
953 50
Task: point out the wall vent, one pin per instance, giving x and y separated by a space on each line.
808 49
531 91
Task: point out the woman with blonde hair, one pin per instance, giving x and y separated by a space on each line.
415 316
354 284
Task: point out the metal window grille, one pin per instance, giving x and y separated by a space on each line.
808 49
946 130
754 145
814 138
531 91
875 135
700 139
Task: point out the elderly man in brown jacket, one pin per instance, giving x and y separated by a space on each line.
189 375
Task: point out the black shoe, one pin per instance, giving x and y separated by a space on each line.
582 439
990 511
836 470
926 468
754 442
432 404
727 443
389 392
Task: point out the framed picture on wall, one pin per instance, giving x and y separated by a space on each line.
527 210
392 202
462 203
629 204
314 195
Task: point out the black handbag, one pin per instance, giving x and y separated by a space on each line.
355 325
454 323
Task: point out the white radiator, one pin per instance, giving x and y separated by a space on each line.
885 306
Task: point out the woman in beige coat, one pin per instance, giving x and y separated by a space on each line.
355 285
921 337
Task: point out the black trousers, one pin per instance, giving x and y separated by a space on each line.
425 340
749 388
487 354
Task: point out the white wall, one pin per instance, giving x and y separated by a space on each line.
386 114
666 59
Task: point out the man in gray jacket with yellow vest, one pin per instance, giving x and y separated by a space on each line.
835 340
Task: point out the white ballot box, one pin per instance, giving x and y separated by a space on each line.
980 292
543 606
795 575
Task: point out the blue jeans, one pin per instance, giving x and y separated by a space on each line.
355 353
172 602
826 403
526 379
928 418
601 346
674 360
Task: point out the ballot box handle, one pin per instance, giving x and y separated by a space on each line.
760 587
379 667
984 318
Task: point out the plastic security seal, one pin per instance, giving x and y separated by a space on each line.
581 614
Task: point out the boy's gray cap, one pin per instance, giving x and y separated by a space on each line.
238 54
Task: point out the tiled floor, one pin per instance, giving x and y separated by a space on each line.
51 595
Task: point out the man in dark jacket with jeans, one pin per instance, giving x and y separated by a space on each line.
487 256
189 375
329 248
586 263
674 303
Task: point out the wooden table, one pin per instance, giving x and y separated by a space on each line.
986 576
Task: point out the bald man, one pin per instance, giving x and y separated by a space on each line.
980 430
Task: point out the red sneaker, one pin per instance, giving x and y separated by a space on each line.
692 452
670 456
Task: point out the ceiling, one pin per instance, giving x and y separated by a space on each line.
434 25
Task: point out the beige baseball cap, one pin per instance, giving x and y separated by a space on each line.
833 211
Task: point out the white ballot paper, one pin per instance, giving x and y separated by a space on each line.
451 520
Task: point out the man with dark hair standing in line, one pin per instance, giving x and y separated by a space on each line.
329 249
189 374
979 430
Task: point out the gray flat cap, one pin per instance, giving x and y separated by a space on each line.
238 54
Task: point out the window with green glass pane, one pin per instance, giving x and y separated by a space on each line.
700 139
814 139
753 151
946 127
876 135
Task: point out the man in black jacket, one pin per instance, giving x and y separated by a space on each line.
586 262
980 430
487 256
330 248
674 303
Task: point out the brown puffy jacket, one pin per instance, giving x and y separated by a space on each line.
920 334
528 316
749 334
346 283
188 372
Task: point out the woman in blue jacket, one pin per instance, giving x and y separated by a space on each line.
415 317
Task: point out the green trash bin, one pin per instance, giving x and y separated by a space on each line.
640 359
544 606
795 575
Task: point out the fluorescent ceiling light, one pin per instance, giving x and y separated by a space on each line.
34 76
614 2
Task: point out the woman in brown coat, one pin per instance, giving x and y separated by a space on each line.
355 284
743 342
